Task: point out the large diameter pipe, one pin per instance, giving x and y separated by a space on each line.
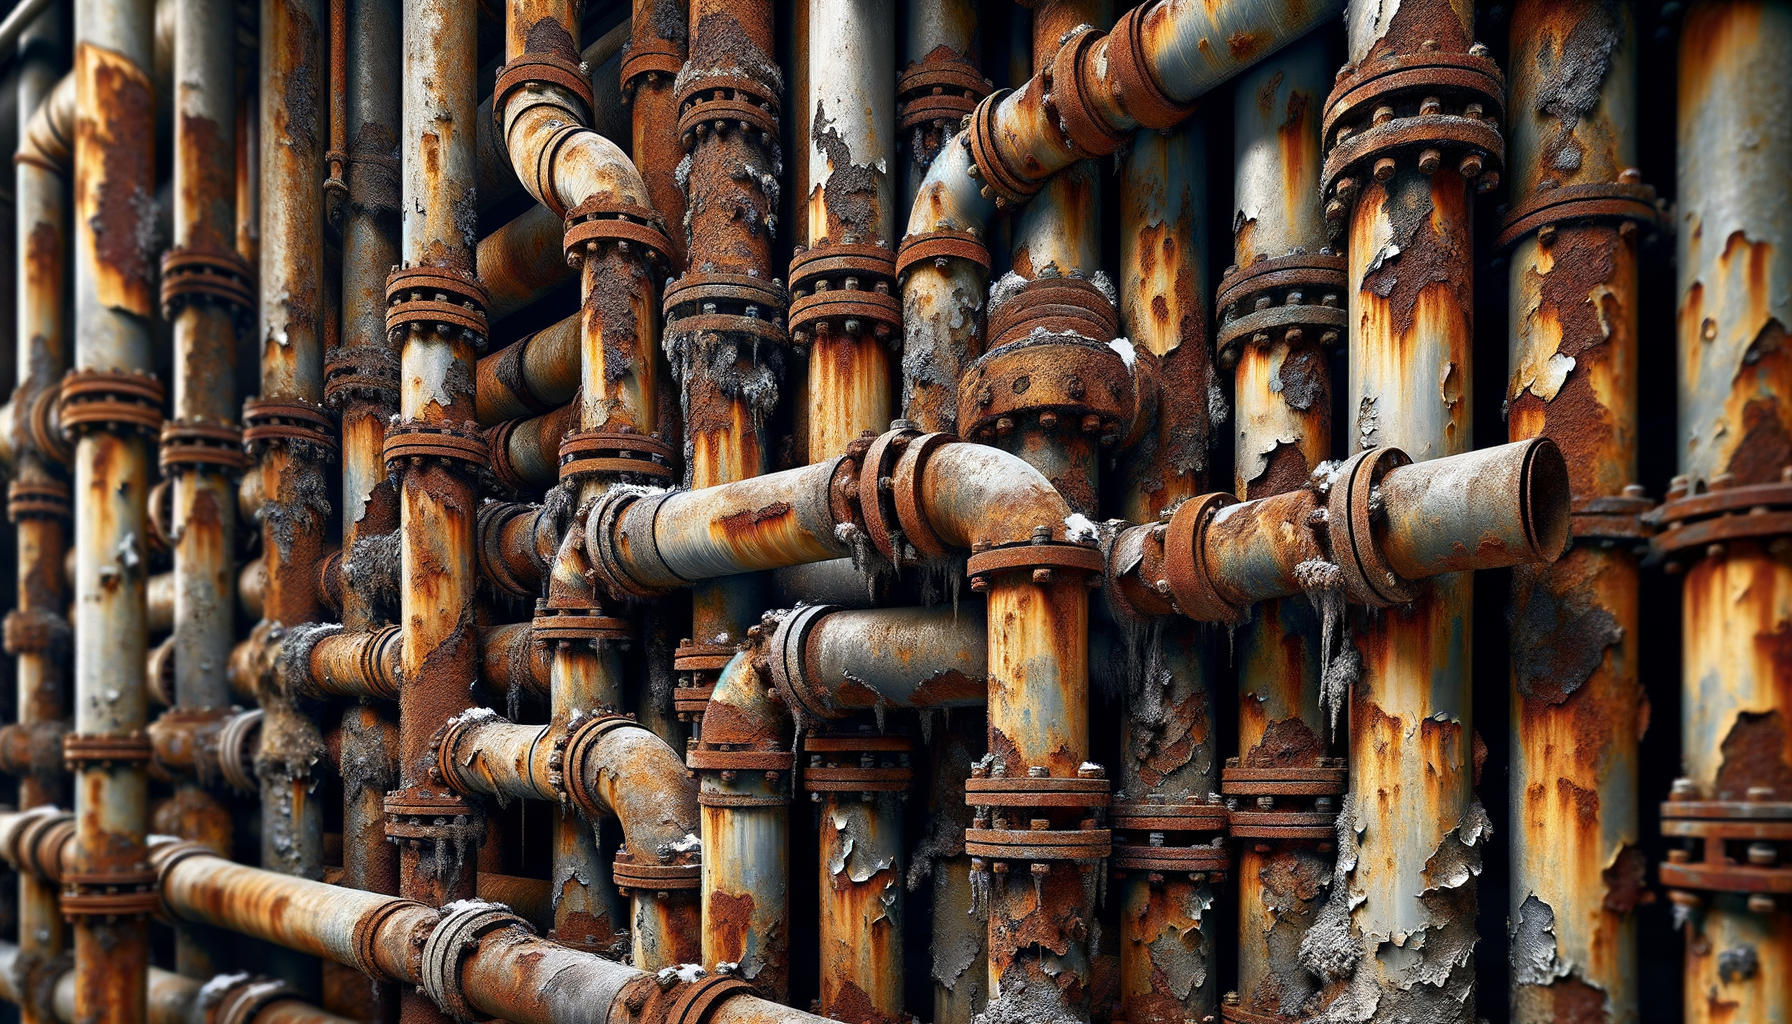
836 663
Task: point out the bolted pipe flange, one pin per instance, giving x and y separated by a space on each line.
440 299
1761 823
1063 379
699 999
1005 186
1622 200
872 773
579 747
1353 518
1143 99
1297 298
462 449
939 245
1179 838
539 69
876 498
938 91
701 302
109 400
651 56
597 222
632 874
623 453
197 445
1698 517
723 102
360 373
603 539
1186 572
1070 98
207 277
452 940
1057 305
36 631
1425 107
843 288
300 426
40 499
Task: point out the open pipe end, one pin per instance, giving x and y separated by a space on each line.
1545 499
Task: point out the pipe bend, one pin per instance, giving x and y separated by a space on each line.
626 771
49 136
562 163
974 495
950 199
741 714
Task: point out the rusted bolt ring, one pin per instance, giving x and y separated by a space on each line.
1618 518
109 400
1067 374
700 998
503 469
464 449
631 876
833 310
784 657
1171 859
1185 562
1300 780
1133 816
196 445
1025 791
691 700
853 779
938 89
450 942
237 743
43 426
601 540
1056 304
1075 558
268 423
127 893
35 631
1274 825
858 743
726 101
1078 117
878 506
1596 201
1038 844
1005 186
367 933
685 297
1368 577
942 244
1276 320
539 69
81 749
1140 96
557 627
1313 275
1440 131
610 451
828 259
241 1002
206 275
411 299
599 220
649 56
906 493
362 373
1715 823
705 760
1390 78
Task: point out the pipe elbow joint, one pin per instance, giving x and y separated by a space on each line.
614 767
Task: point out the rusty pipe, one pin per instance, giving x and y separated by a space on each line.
513 661
42 352
530 376
1496 507
834 663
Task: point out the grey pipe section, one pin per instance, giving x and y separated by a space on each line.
839 662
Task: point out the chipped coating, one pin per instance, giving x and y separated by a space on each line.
1735 276
1282 888
1166 953
1736 963
1164 310
657 150
1578 711
1276 111
1737 674
291 132
861 928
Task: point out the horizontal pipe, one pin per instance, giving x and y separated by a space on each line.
512 660
969 496
1370 528
836 662
531 375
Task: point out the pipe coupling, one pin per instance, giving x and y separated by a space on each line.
578 762
784 664
1159 838
1296 299
237 745
886 494
184 742
34 749
598 221
38 499
616 549
34 843
453 939
238 999
441 299
1423 109
35 631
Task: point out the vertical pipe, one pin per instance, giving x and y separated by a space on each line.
960 919
861 928
42 538
438 831
847 118
1410 323
1575 698
1735 306
284 425
362 385
113 190
205 336
1283 401
730 370
939 47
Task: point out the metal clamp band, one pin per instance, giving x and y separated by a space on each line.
700 999
1077 116
237 744
454 937
241 1002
